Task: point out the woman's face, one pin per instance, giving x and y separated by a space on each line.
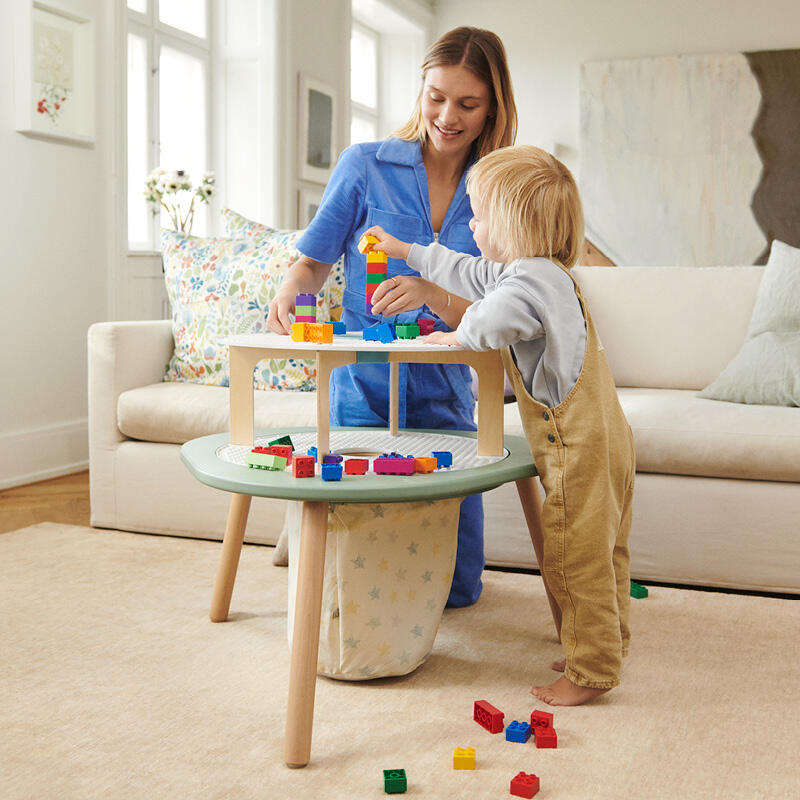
455 105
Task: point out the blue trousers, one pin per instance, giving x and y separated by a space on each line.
430 396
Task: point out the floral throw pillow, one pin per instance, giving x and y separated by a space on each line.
240 227
219 287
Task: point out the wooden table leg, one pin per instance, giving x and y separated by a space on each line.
305 635
394 397
229 557
531 500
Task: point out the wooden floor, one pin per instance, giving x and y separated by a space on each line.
63 500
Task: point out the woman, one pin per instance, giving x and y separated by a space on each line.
412 184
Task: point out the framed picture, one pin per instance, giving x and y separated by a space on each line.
308 201
317 129
54 73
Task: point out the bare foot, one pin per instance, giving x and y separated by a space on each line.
559 666
565 693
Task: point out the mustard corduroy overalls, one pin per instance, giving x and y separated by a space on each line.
583 451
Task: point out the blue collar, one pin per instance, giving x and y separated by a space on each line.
400 151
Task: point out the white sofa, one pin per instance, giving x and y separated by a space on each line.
718 484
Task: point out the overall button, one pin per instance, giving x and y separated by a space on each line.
545 416
550 437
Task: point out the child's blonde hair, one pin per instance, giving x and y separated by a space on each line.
532 204
483 54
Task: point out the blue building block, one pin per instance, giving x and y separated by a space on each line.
518 732
312 451
331 472
444 458
332 458
339 327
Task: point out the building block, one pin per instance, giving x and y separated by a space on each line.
303 467
425 325
393 466
356 466
638 591
332 458
287 440
339 328
518 732
541 719
365 243
486 714
464 758
265 461
382 332
298 331
424 464
306 299
282 450
546 737
331 472
376 257
444 458
319 332
408 330
376 268
524 784
394 781
312 451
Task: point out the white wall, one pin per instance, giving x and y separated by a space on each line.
547 41
54 209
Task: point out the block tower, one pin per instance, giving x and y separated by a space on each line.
305 308
376 266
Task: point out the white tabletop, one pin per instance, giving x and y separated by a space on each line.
347 342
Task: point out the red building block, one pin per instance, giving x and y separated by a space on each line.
524 784
546 737
425 325
487 715
303 466
356 466
541 719
277 450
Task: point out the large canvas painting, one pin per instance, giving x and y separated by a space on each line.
691 160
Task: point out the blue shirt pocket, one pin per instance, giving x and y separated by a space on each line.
403 227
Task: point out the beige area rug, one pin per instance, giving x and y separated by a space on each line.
114 684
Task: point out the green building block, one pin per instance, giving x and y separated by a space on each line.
394 781
407 330
638 591
376 277
282 440
266 461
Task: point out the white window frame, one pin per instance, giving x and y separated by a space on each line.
359 109
156 33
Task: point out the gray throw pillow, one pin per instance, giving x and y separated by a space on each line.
766 371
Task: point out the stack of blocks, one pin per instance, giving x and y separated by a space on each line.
305 308
377 269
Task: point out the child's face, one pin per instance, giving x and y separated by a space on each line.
479 225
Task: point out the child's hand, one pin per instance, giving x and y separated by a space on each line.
393 248
442 337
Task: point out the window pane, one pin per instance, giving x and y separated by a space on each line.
138 5
182 108
362 129
187 15
363 69
138 209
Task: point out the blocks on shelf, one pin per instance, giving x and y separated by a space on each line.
356 466
444 458
303 467
331 472
265 461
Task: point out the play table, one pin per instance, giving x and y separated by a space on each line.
481 461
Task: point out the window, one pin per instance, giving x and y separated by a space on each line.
168 105
386 50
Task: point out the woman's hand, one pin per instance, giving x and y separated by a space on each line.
403 293
393 248
442 337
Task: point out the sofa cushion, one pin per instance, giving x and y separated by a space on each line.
178 412
678 433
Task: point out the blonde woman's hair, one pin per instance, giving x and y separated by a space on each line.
483 54
532 204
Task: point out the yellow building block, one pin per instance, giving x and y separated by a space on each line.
298 331
464 758
376 257
365 243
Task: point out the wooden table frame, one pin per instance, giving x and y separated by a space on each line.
311 560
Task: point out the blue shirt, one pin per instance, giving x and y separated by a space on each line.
381 183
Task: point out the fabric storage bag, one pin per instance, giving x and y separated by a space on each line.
388 570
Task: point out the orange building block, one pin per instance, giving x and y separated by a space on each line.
424 464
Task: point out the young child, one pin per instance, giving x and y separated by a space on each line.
528 225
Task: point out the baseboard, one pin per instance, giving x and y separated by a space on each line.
41 453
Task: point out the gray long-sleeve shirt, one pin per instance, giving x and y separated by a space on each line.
528 304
